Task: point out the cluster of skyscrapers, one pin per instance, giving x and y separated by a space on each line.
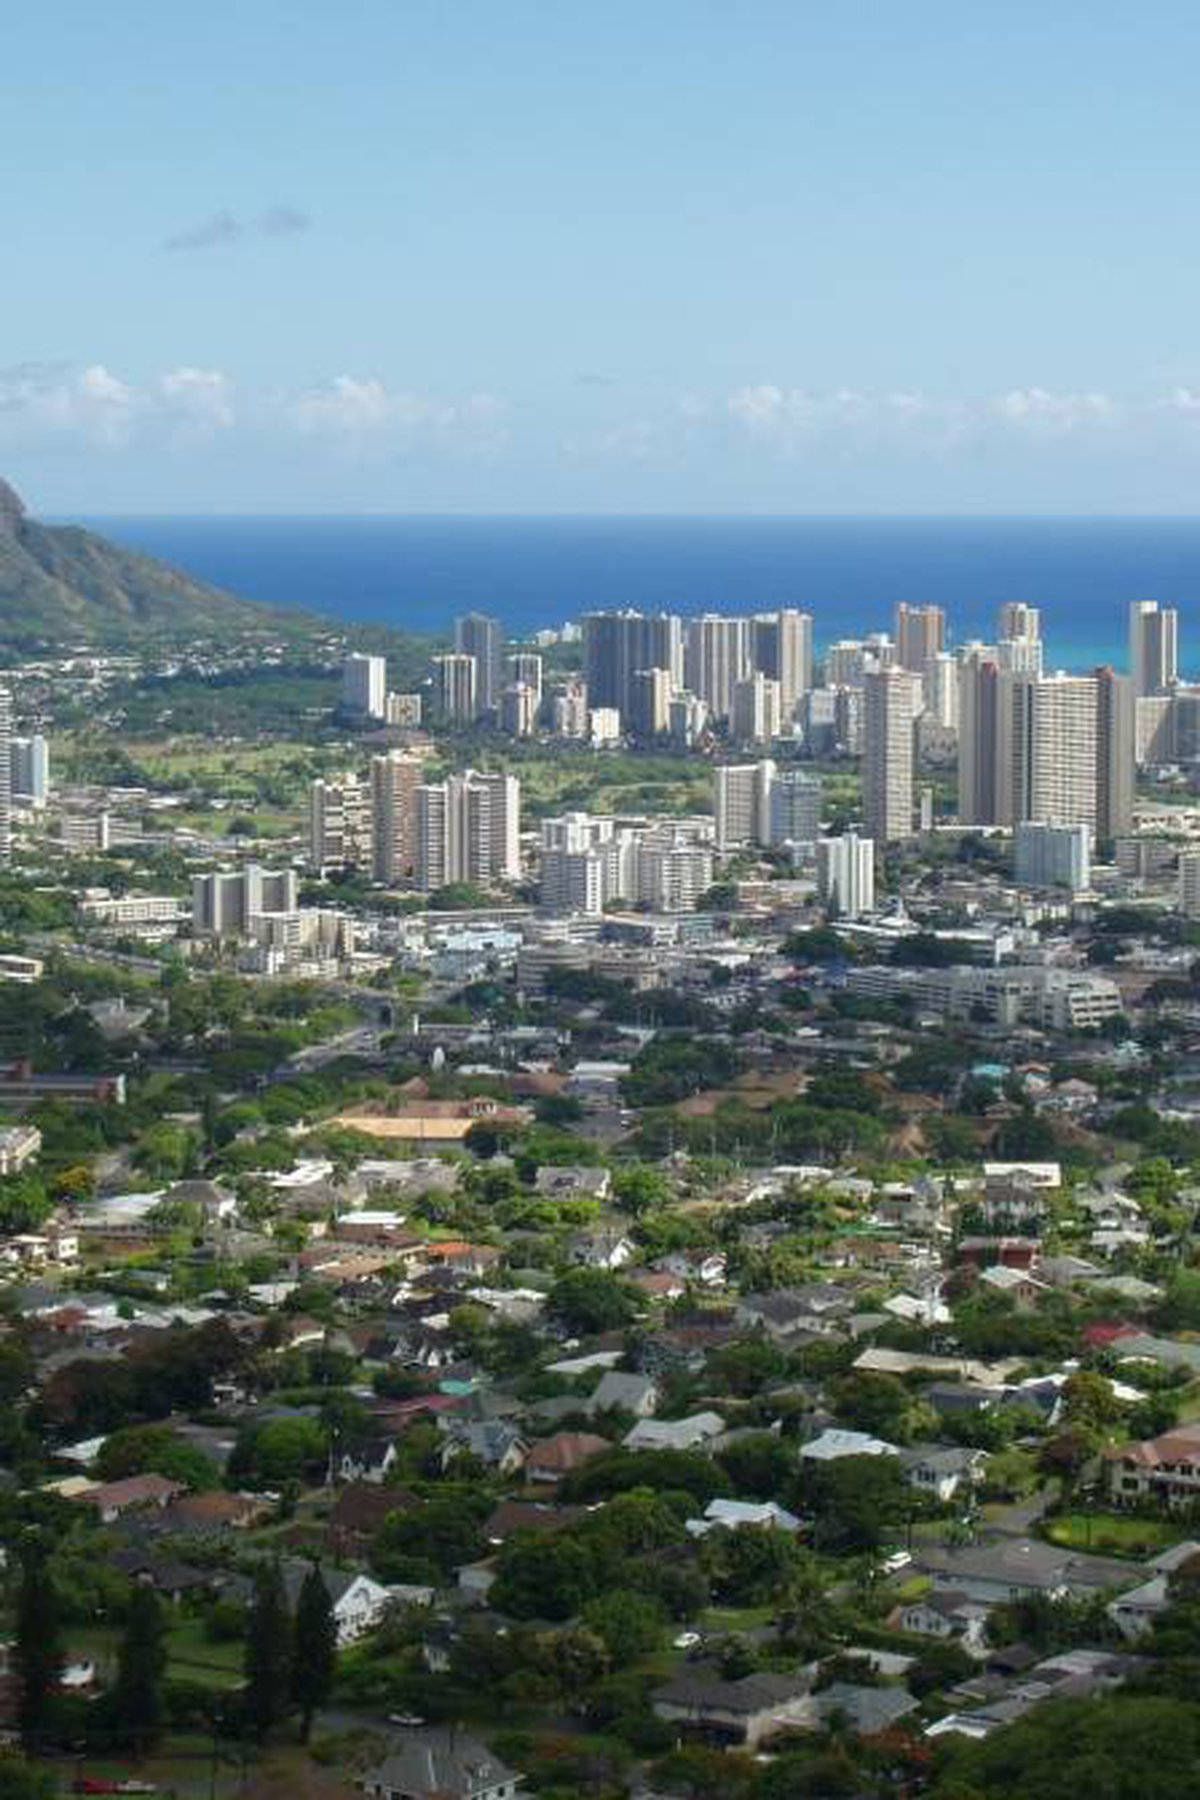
400 828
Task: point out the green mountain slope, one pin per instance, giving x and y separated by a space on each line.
60 584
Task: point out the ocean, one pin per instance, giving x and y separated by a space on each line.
533 572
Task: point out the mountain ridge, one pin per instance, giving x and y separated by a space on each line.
64 584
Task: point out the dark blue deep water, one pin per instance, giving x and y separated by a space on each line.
417 572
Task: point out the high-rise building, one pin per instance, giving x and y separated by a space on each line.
1053 856
716 658
468 829
742 804
455 688
1017 620
404 711
364 685
940 690
1189 884
519 710
1055 750
846 874
983 743
781 647
920 636
757 715
671 869
226 903
650 703
479 636
6 721
525 667
795 807
586 863
617 644
1019 648
395 779
890 706
1153 647
30 772
1115 773
339 822
688 719
569 709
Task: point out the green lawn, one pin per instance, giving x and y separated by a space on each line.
1113 1534
193 1656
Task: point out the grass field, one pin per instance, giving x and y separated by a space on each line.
1113 1534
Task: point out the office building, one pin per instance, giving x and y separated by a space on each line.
890 707
30 772
455 688
920 636
480 637
468 830
364 686
1052 856
1153 647
795 802
395 779
742 804
846 875
339 823
225 904
716 658
781 647
757 715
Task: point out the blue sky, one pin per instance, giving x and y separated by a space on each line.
396 255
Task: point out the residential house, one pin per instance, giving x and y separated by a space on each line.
498 1445
736 1515
1165 1469
358 1602
691 1433
1023 1289
136 1493
819 1309
551 1458
443 1763
573 1183
942 1470
733 1713
835 1443
606 1247
636 1394
948 1614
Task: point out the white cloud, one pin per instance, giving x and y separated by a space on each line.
201 400
364 410
1039 408
48 399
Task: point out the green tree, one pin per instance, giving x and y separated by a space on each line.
37 1646
590 1300
268 1657
141 1667
314 1659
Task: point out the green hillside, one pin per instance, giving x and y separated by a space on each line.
62 585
